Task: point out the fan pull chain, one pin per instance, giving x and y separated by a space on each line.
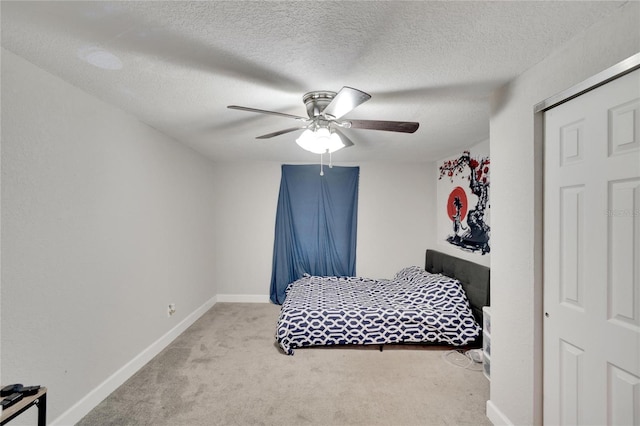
330 161
321 168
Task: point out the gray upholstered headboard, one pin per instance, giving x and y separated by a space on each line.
474 278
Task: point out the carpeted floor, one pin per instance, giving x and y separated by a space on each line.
227 369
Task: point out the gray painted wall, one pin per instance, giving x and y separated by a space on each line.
105 222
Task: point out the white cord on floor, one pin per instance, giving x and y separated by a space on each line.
462 360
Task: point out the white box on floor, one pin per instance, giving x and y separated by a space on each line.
486 319
486 341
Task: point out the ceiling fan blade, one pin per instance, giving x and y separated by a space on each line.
346 100
262 111
390 126
280 132
345 140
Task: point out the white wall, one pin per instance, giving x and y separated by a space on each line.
395 222
395 217
104 222
246 197
516 287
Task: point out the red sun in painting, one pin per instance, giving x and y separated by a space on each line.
458 193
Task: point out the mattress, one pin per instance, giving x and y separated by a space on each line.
413 307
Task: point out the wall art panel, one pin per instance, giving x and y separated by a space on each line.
463 201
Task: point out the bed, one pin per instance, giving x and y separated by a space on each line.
438 304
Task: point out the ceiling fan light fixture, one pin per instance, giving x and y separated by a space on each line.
307 141
320 141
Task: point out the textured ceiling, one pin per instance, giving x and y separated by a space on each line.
182 63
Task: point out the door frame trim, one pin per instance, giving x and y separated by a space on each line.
618 70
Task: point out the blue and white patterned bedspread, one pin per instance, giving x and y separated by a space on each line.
415 306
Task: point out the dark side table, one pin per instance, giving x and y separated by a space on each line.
39 400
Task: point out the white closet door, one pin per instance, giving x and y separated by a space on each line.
592 257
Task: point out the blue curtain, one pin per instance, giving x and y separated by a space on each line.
315 225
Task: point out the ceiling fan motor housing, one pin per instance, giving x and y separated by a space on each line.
317 101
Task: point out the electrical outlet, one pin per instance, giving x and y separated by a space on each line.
172 309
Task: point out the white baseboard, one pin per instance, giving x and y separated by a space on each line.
243 298
97 395
496 416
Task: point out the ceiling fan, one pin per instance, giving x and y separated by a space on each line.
325 110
